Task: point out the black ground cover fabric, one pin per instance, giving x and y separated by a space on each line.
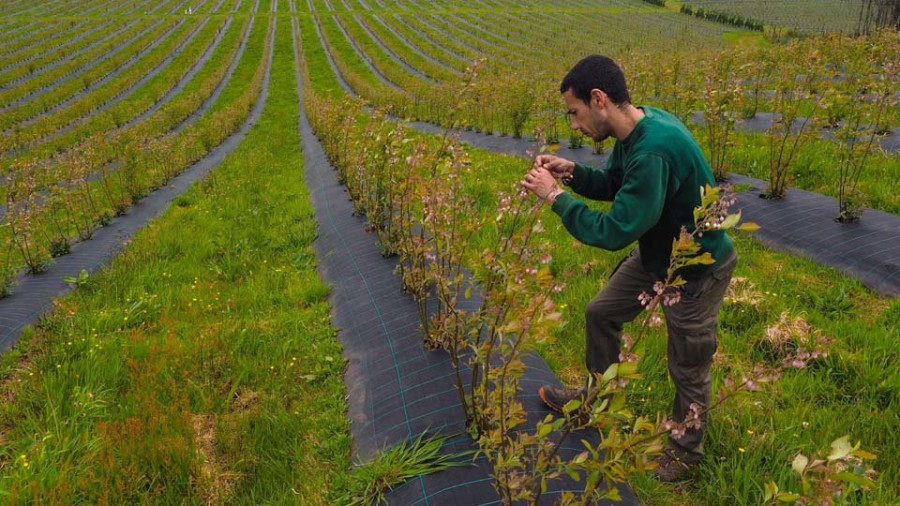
33 294
801 222
396 388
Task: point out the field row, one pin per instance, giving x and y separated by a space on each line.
72 169
180 85
752 440
813 16
61 11
399 62
132 434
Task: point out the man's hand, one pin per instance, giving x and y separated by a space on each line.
558 167
541 183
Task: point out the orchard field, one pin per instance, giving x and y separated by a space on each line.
826 16
174 330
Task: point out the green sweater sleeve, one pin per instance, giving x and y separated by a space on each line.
596 184
636 207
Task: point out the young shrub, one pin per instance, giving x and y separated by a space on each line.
576 139
856 137
838 478
789 130
760 68
8 273
722 100
23 207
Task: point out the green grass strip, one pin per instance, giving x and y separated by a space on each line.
201 366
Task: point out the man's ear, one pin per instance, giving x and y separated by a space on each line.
599 97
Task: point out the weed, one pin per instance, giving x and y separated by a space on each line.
370 482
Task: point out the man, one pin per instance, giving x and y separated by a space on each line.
653 178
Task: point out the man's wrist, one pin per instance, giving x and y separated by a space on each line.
554 193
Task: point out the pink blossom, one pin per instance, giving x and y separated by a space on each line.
659 287
692 419
628 357
645 298
672 298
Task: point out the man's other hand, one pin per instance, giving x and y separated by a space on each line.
541 183
558 167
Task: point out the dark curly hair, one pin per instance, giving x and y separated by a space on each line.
598 72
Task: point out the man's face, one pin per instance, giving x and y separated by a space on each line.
591 118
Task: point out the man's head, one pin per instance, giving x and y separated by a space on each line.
594 89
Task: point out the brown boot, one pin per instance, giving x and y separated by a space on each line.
555 398
674 465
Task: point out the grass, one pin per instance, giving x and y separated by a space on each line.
370 482
816 169
752 439
201 365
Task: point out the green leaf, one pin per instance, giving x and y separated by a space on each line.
628 368
770 491
705 259
611 373
544 430
748 226
571 406
731 221
865 455
612 494
787 497
512 327
840 448
799 464
856 479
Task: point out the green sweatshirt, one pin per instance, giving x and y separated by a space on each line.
653 179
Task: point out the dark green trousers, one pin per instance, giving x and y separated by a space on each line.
691 327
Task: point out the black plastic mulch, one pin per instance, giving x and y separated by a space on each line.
761 122
801 222
33 294
396 388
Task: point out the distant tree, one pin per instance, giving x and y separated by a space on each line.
878 14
